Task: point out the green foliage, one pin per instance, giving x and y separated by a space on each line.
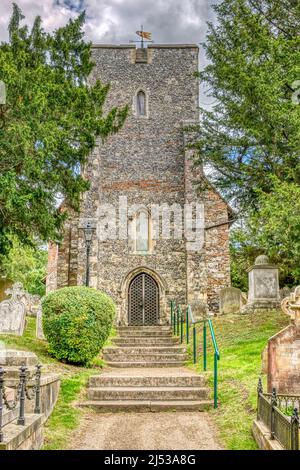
48 126
252 130
65 416
237 270
77 322
274 230
241 341
27 265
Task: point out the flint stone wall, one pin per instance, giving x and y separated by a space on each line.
146 162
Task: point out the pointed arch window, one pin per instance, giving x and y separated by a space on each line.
141 103
142 231
139 232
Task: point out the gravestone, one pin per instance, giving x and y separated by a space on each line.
232 300
285 307
2 92
39 325
263 286
16 291
287 302
284 292
283 352
35 304
199 309
12 312
32 303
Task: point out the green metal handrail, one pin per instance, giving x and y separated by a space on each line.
173 306
216 359
177 323
213 337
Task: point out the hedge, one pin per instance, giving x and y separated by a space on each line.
77 322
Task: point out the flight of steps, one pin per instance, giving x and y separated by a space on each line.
146 374
145 346
150 392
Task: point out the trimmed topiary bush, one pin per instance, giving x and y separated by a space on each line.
77 322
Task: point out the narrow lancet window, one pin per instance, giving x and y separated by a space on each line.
142 232
141 103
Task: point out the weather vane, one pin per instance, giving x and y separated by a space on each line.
143 35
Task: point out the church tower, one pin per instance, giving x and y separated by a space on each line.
143 177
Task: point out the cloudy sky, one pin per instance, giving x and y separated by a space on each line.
115 21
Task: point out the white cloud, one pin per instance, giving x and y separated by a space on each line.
117 20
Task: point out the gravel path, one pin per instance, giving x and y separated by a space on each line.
145 431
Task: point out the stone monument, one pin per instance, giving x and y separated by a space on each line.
232 300
32 303
285 292
39 325
263 291
283 352
199 309
12 312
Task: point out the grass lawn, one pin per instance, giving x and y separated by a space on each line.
241 340
65 417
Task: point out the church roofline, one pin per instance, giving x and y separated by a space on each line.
151 46
173 46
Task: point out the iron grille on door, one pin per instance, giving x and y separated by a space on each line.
143 301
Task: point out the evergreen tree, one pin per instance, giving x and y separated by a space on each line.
27 265
273 230
252 130
48 126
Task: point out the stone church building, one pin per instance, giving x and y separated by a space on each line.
147 163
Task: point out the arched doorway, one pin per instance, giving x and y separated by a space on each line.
143 301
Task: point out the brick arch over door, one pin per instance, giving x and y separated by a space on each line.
124 290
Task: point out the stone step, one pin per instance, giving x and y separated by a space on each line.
147 393
147 381
150 364
144 334
145 357
146 405
144 350
144 341
145 328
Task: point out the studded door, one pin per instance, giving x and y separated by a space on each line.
143 301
